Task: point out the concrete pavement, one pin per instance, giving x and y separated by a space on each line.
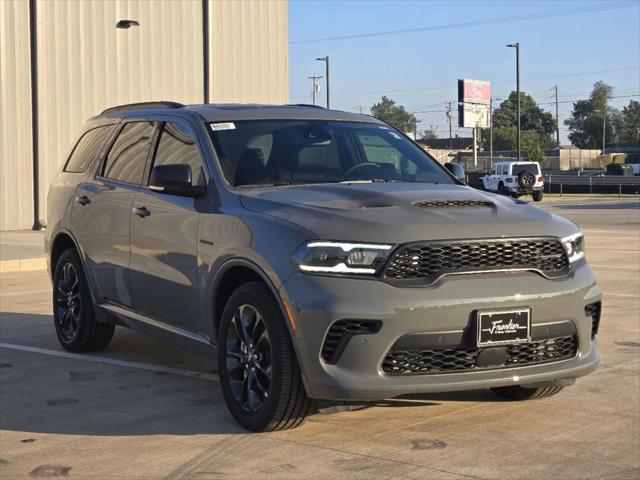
142 410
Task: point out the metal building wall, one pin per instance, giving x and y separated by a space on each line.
85 65
16 192
249 51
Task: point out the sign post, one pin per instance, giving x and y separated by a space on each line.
474 99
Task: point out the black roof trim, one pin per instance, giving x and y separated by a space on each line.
142 105
305 105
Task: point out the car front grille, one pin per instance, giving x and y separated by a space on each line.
425 262
465 359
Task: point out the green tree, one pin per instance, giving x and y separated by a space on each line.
429 134
587 119
388 111
628 126
537 127
535 153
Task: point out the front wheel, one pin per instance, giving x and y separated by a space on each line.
518 392
259 373
537 196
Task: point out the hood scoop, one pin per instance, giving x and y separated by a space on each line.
453 203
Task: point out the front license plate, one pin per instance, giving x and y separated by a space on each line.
500 327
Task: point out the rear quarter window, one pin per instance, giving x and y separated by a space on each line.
87 149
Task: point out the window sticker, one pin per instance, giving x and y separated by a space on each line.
223 126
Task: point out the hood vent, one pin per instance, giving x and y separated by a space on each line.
453 203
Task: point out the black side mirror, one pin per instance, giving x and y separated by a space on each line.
174 179
457 171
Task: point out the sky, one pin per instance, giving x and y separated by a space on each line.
571 44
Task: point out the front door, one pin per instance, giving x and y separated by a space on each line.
102 213
164 238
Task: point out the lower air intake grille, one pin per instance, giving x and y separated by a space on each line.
425 262
463 359
593 311
341 332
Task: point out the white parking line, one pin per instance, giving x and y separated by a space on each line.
111 361
28 292
626 295
615 267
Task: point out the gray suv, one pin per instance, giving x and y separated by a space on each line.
319 254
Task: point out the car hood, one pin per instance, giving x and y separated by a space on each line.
401 212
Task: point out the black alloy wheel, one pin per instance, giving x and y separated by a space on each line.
259 373
249 358
75 321
67 301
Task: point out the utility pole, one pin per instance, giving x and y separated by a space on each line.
449 117
517 47
491 131
604 128
314 89
557 119
326 74
475 146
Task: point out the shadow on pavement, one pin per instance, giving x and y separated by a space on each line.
44 393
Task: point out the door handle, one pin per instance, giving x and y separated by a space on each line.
83 200
141 211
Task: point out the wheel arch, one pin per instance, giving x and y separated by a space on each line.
63 240
230 276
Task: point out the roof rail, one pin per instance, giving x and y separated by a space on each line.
140 105
305 105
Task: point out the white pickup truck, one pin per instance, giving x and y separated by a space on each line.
515 179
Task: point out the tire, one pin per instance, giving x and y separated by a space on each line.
502 190
261 385
74 318
537 195
519 393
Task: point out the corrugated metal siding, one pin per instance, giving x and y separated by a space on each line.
16 180
85 65
91 65
249 51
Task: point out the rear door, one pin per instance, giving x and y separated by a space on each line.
101 218
164 237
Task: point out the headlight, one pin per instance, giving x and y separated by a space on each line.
574 246
341 257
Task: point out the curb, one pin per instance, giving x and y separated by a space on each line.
23 265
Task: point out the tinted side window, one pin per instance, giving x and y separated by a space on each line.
177 145
87 149
127 156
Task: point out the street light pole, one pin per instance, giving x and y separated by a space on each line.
604 128
517 47
325 59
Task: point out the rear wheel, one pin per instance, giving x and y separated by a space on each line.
75 321
259 373
518 392
502 189
537 196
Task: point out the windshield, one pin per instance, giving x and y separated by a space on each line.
527 167
287 152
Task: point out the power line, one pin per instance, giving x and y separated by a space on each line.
498 82
471 23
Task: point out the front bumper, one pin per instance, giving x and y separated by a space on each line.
445 307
